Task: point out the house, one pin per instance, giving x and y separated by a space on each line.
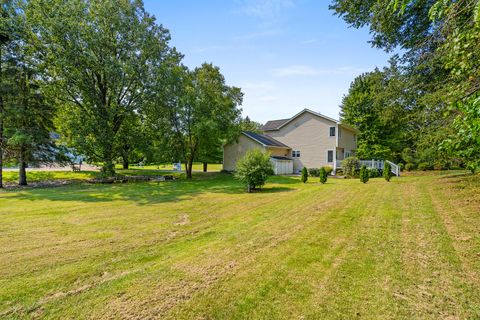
308 139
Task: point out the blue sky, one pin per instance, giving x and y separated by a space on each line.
286 55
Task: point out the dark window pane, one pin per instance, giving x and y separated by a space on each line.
330 156
332 131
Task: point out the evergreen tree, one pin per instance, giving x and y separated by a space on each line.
323 175
387 171
304 177
364 176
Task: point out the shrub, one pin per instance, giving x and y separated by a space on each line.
328 169
424 166
350 166
304 174
387 171
364 174
314 172
373 172
253 169
401 166
323 175
410 166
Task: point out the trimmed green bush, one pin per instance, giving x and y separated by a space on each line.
323 175
350 166
410 166
364 174
254 169
304 174
387 171
401 166
328 169
313 172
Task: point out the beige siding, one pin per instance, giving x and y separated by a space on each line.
234 151
347 140
310 135
274 151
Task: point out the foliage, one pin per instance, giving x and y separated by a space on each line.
323 175
102 59
328 169
401 166
424 166
314 172
437 79
387 171
246 124
254 169
373 173
364 176
195 112
350 166
410 166
304 176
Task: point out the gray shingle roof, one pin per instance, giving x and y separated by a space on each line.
273 124
264 139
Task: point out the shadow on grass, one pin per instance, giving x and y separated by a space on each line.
149 192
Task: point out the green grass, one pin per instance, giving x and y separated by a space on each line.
205 249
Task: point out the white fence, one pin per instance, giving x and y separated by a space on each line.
376 164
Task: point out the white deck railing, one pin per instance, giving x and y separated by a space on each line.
376 164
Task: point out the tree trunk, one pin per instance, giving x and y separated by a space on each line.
188 167
125 162
205 165
108 168
22 173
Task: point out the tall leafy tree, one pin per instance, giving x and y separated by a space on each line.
102 57
196 112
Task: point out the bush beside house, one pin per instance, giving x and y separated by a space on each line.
254 169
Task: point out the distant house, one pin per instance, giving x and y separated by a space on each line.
308 139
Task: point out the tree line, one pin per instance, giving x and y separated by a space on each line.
99 78
424 107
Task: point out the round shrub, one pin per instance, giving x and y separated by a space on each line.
364 174
410 166
401 166
253 169
328 169
323 175
373 172
350 166
304 174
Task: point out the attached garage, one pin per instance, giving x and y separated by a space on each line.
282 165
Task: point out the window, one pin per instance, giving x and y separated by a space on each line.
339 132
348 154
355 138
295 154
330 156
332 131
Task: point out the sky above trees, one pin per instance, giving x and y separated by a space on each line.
286 55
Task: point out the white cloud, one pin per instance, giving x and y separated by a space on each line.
265 9
257 85
259 34
302 70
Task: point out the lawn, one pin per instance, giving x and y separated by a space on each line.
206 250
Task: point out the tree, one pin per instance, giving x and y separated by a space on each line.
364 176
440 42
254 169
323 175
103 59
249 125
30 124
387 171
304 176
196 113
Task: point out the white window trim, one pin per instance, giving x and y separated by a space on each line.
326 156
296 153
